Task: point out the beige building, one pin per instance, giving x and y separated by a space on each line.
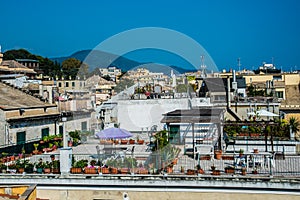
13 67
24 118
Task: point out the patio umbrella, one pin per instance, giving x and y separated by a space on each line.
263 113
113 133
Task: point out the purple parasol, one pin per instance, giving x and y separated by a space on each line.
113 133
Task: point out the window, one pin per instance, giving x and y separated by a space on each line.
61 130
59 84
174 134
67 84
279 94
45 132
73 84
84 126
21 137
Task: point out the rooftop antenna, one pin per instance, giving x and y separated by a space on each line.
203 67
239 63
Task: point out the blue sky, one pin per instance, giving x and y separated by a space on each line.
255 30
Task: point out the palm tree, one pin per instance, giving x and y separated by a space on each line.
294 124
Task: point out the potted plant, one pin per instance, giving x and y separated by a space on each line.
35 151
216 172
139 141
229 170
255 171
131 141
199 169
46 167
78 166
19 166
55 166
218 154
244 171
190 172
29 167
91 169
123 141
39 166
3 168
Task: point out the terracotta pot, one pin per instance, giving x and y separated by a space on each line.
55 171
124 141
229 170
190 172
21 170
169 170
218 154
227 157
140 141
131 141
201 171
47 170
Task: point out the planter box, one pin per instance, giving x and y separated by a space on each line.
224 157
113 170
75 170
190 172
104 170
143 171
229 170
216 172
205 157
124 171
90 170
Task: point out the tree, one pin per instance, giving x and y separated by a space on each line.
161 140
71 68
294 124
123 84
48 67
83 71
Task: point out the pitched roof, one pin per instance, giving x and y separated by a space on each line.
12 98
14 66
215 84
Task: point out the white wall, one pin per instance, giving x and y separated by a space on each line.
133 115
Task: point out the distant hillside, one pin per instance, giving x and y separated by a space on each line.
102 59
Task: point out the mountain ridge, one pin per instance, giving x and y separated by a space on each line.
101 59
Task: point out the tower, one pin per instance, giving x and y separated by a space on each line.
203 67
